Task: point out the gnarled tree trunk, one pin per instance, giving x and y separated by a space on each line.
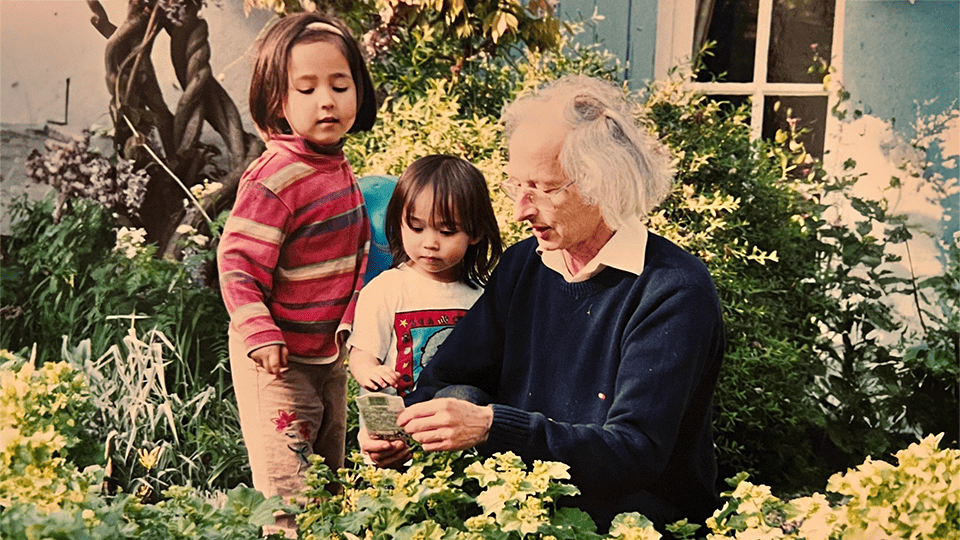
169 143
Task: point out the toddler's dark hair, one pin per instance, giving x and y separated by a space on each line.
460 198
268 86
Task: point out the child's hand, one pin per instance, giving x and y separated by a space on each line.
369 372
376 378
272 358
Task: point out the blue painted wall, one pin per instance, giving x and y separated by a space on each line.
896 53
628 30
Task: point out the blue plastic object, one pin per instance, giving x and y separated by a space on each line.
376 193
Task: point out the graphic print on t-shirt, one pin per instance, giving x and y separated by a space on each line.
419 334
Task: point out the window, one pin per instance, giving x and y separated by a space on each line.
763 52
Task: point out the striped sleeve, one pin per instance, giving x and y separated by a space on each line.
248 254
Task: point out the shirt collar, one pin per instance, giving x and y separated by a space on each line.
625 251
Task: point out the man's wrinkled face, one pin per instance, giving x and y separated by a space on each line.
558 216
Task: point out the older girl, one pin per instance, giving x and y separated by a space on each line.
294 250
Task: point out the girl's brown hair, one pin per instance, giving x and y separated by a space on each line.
461 199
268 86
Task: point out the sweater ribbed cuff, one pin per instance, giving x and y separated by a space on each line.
510 429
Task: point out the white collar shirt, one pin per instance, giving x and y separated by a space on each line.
625 251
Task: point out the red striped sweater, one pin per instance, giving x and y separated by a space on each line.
294 250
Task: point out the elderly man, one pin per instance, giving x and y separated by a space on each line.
596 343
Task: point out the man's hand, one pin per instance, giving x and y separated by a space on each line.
383 453
447 424
272 358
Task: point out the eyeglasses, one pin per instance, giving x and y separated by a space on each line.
516 192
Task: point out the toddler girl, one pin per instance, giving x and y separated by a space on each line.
444 240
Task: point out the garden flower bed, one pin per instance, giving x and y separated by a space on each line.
440 495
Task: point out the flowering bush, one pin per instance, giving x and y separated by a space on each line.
461 496
76 170
39 413
452 495
44 495
919 498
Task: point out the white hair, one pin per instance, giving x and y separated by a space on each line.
618 166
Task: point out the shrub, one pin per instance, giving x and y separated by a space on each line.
916 498
452 495
41 412
458 495
85 279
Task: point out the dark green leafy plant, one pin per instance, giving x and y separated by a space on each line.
237 514
73 279
737 208
452 495
879 393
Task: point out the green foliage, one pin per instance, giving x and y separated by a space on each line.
47 285
452 495
82 279
917 498
738 209
241 513
192 438
39 413
457 112
113 411
886 379
184 514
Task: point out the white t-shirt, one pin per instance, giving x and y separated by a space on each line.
402 317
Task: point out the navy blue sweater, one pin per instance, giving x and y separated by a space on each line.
613 376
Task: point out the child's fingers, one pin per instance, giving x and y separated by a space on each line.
272 359
371 385
272 364
392 378
379 378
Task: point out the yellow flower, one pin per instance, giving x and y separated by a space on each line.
149 459
479 523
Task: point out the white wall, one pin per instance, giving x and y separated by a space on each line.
44 42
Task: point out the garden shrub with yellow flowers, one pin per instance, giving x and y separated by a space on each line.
439 495
44 495
917 498
39 412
